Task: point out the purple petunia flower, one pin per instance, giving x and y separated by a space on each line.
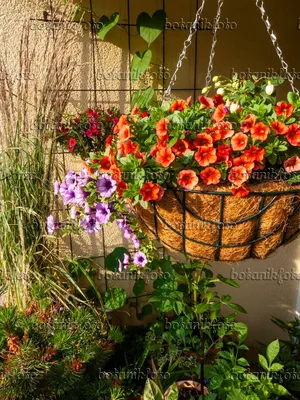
56 187
80 196
63 188
68 196
135 241
83 179
106 186
122 224
124 264
140 259
127 233
90 224
102 213
51 224
71 178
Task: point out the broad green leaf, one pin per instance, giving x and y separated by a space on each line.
201 308
243 362
228 281
273 351
115 298
237 308
242 331
279 390
106 24
149 28
292 98
235 395
225 354
263 362
276 367
139 64
147 310
216 381
146 98
152 391
112 260
138 287
173 393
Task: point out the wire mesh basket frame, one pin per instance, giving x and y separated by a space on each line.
220 224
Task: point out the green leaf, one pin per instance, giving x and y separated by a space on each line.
228 281
112 260
242 331
115 298
225 354
211 396
146 310
149 28
107 24
263 362
138 287
216 381
273 351
146 98
272 158
173 393
152 391
243 362
235 395
292 98
201 308
276 367
279 390
237 308
139 64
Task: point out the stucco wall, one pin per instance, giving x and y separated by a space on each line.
246 46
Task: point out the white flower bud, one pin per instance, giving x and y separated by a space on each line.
234 107
205 90
221 91
269 89
218 84
215 78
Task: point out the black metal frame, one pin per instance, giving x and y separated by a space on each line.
222 195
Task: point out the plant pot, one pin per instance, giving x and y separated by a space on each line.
211 224
188 385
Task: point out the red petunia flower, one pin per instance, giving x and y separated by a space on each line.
210 176
206 102
224 129
121 187
242 161
284 109
279 127
205 156
72 142
115 173
121 123
218 99
248 123
254 154
240 191
238 175
152 191
292 164
187 179
214 132
180 147
219 113
163 140
203 139
293 135
109 140
106 163
178 105
161 127
239 141
165 157
258 166
124 133
260 131
144 114
155 149
141 156
223 153
129 148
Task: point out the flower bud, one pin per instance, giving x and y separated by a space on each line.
234 107
215 78
269 88
235 85
218 84
221 91
205 90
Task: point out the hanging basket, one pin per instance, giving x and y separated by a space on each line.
214 225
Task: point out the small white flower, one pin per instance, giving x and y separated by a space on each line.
221 91
218 84
234 107
269 88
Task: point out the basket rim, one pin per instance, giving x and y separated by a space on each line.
221 193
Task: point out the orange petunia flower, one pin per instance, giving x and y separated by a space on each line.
260 131
203 139
161 127
206 102
210 176
205 156
135 110
152 191
163 140
141 156
115 173
248 123
258 166
121 123
88 168
178 105
124 133
242 161
109 140
121 187
223 153
129 147
189 100
239 141
180 147
224 129
254 154
292 164
240 191
106 163
279 127
214 132
284 109
155 149
238 175
187 179
293 135
165 157
219 113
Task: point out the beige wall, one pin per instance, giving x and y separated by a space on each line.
247 46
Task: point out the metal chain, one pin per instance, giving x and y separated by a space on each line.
187 43
265 18
215 38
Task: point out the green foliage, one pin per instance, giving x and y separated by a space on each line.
140 63
149 28
106 24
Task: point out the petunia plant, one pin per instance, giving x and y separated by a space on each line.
93 199
231 137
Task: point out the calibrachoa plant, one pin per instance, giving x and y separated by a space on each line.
94 201
87 132
229 137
